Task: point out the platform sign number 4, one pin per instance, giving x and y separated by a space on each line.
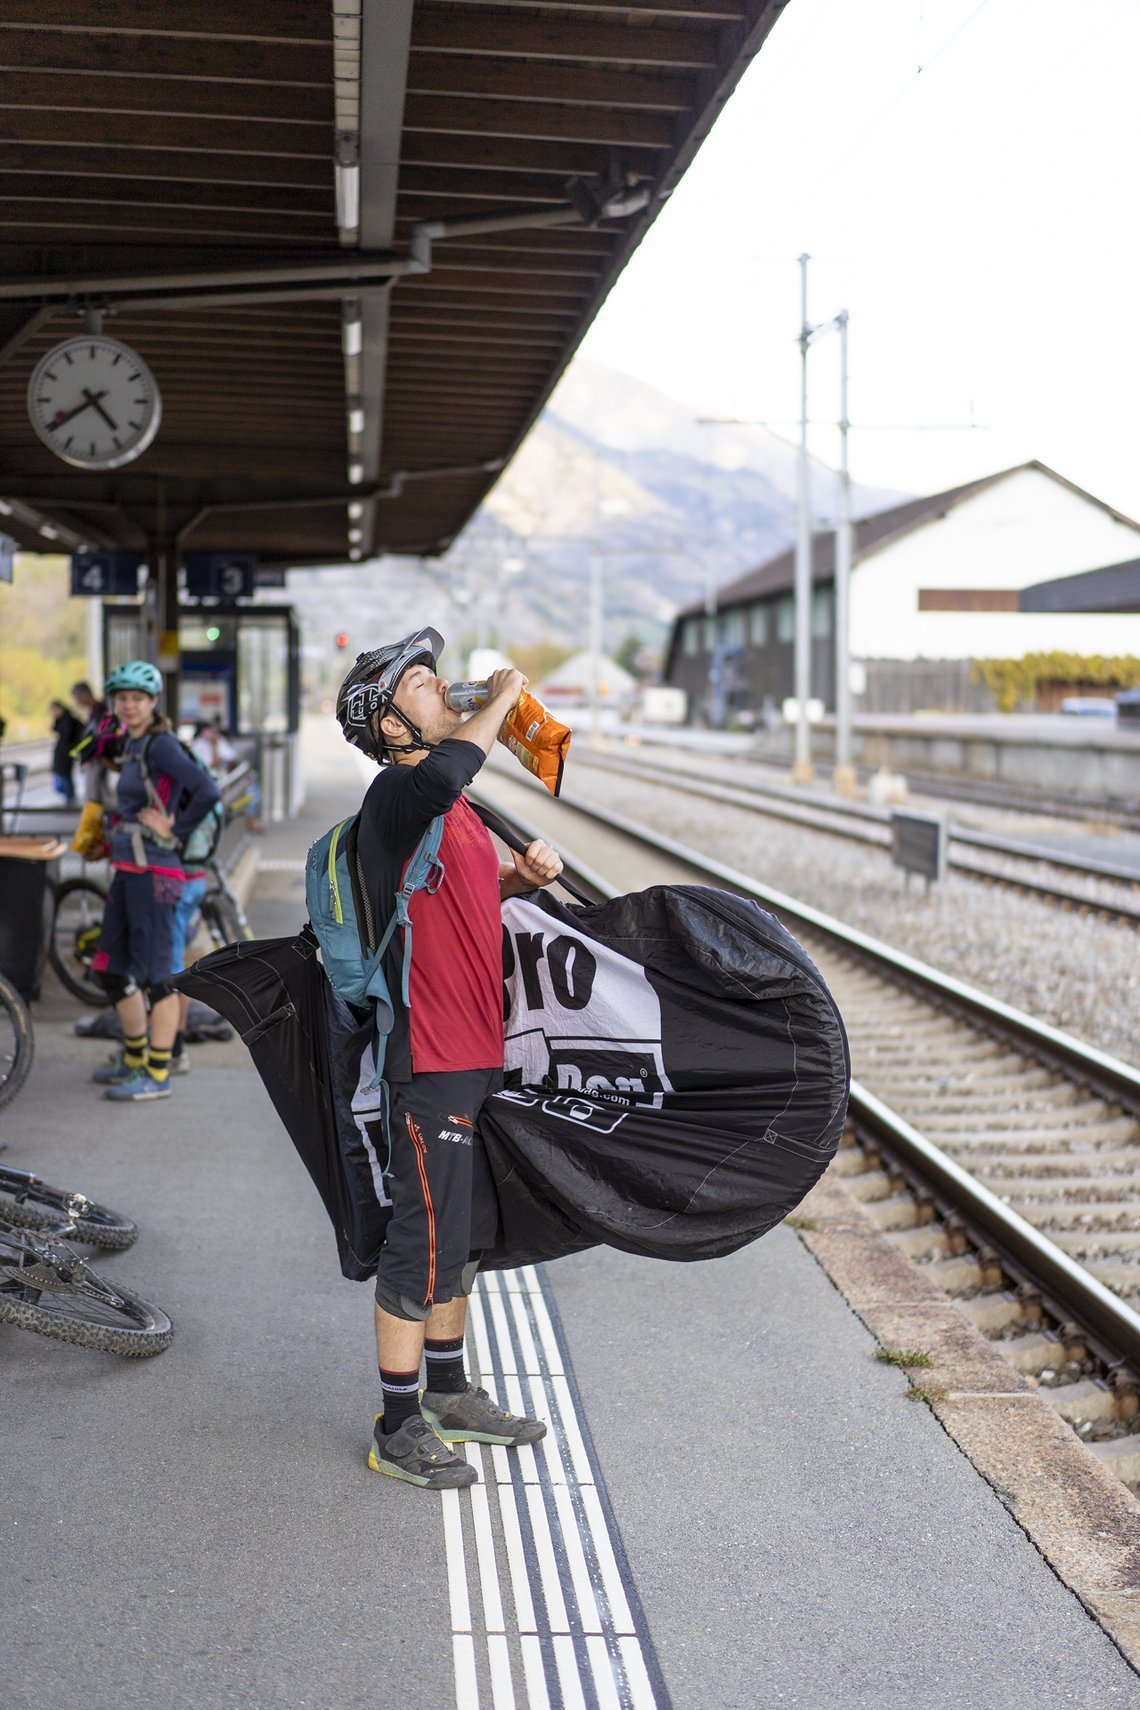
94 574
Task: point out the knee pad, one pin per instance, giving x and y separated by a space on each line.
116 986
162 989
467 1275
400 1305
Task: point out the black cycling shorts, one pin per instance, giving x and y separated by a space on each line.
137 935
444 1205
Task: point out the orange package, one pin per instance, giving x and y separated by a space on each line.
538 740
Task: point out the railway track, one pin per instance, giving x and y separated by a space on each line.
997 1151
1112 890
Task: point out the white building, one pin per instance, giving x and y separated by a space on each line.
1018 562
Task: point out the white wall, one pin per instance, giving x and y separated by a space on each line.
1026 529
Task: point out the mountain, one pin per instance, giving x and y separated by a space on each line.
676 508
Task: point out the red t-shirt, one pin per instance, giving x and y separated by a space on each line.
457 955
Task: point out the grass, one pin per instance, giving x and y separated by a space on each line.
926 1392
903 1357
801 1222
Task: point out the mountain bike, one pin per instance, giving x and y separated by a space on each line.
78 920
16 1046
47 1286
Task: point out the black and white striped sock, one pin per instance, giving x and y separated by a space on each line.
401 1398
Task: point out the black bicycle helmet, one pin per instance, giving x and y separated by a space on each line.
373 681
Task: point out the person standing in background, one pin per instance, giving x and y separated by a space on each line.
67 730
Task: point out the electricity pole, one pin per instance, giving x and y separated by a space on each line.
844 774
802 770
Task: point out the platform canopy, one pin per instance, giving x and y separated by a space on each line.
355 241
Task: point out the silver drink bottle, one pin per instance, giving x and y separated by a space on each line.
467 697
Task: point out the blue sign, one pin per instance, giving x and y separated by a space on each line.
7 557
98 573
220 575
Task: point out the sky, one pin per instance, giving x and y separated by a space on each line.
962 175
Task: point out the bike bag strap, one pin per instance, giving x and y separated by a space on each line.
511 838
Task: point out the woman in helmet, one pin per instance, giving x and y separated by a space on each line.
163 794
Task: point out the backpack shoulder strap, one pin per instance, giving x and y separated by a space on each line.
424 872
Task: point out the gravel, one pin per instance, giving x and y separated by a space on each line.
1074 971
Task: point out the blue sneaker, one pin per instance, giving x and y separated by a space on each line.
113 1071
138 1086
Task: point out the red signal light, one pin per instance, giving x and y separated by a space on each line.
342 640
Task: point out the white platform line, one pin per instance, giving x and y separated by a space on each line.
546 1334
456 1563
499 1659
576 1558
485 1552
516 1560
478 1325
466 1680
607 1672
506 1348
529 1361
641 1694
556 1617
534 1672
620 1617
575 1442
569 1677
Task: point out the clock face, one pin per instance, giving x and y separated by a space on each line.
94 402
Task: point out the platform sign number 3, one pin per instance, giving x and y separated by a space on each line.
220 575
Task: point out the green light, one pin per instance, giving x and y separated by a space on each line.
213 633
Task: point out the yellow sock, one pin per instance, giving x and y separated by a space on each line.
158 1063
134 1051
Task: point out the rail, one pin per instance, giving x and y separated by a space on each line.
1070 1291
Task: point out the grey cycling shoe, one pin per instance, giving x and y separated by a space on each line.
472 1417
415 1454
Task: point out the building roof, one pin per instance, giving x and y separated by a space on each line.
1113 588
357 241
777 575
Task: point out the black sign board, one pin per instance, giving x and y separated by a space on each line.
918 844
220 575
97 573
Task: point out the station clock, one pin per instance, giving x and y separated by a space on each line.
94 402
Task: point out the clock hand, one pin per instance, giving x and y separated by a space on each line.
62 416
93 398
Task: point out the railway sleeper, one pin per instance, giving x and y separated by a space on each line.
966 1102
1101 1169
1072 1214
1055 1120
1114 1132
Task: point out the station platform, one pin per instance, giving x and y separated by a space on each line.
764 1518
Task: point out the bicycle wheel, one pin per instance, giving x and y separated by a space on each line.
72 1303
30 1203
16 1046
224 920
76 924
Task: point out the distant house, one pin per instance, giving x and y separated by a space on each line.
1017 562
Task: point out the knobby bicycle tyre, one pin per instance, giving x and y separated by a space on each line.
16 1045
222 920
76 924
29 1203
134 1328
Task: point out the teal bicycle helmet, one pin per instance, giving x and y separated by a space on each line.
135 674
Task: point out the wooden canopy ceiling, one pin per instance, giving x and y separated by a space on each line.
174 165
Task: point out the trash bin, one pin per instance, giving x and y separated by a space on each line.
29 873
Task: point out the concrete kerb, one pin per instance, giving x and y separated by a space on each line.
1084 1522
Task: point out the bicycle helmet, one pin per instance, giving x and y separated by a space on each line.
371 684
135 674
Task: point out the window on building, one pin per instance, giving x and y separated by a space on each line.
786 618
732 630
691 636
758 626
821 604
